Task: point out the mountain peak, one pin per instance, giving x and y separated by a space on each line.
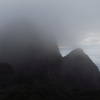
80 71
79 56
77 52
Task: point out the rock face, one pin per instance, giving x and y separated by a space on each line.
79 72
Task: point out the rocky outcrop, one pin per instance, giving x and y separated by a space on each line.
79 72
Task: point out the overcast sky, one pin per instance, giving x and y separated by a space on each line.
75 23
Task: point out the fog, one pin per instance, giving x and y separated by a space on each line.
74 23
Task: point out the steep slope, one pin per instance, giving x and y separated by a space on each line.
79 72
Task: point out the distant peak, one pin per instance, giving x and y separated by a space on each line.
78 51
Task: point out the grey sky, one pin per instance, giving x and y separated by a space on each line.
65 18
74 22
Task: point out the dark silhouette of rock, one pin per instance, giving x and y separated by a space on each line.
6 74
5 68
79 72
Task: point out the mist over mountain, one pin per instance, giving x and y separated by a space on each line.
31 66
22 43
35 58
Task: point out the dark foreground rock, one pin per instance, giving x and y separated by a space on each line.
6 75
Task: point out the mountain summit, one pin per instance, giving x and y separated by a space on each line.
79 72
